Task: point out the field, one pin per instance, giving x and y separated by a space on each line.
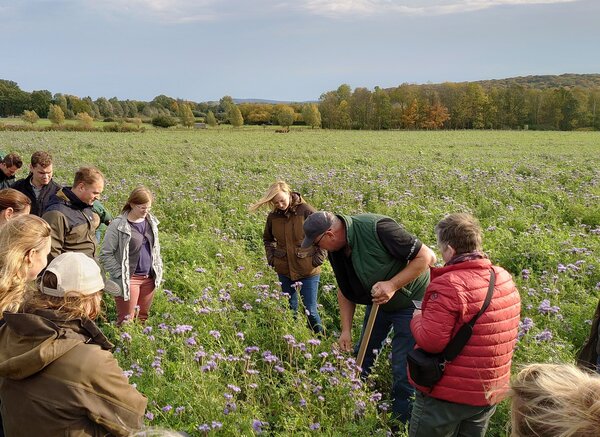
221 353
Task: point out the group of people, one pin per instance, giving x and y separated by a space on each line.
376 262
56 364
58 374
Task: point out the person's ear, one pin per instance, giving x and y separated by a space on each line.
451 250
8 213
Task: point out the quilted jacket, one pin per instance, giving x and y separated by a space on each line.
480 374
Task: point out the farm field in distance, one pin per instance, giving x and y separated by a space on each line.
221 353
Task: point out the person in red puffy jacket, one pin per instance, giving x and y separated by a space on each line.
464 399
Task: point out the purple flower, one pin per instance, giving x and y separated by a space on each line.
375 397
314 342
203 428
545 308
240 335
191 341
251 349
561 268
257 426
179 410
525 274
216 425
126 336
545 335
200 270
215 334
269 357
149 415
167 408
278 369
327 368
234 388
314 426
246 307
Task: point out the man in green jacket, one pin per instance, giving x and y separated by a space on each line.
375 261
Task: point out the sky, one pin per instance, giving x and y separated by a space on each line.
291 50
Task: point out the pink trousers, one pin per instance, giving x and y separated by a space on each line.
141 292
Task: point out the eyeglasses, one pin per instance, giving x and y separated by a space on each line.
318 240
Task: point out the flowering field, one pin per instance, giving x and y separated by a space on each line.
221 354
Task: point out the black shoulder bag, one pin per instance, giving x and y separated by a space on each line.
425 368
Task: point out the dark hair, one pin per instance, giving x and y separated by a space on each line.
11 198
13 160
461 231
87 175
44 159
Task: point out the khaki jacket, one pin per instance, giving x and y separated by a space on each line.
60 378
282 237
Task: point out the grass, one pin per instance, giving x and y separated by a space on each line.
535 193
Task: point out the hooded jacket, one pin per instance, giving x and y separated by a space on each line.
283 236
39 204
480 374
114 255
73 224
60 378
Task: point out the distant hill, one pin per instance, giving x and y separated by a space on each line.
270 102
545 81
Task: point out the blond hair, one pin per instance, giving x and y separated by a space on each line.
138 196
555 400
18 238
70 306
274 190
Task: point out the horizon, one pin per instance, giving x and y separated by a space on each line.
288 52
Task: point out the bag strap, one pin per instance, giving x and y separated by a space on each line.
458 342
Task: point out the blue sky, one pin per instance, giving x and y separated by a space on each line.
286 49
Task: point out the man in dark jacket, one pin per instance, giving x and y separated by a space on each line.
39 185
71 217
9 165
375 261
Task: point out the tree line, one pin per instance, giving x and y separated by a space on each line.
471 105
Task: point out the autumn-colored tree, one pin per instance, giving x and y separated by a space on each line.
56 115
210 119
410 116
30 117
85 120
436 116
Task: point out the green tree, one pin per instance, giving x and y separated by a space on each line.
285 115
40 101
85 120
56 115
164 121
361 108
235 116
186 115
30 117
311 115
105 107
382 109
211 119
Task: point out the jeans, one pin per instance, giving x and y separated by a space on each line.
402 343
435 417
308 292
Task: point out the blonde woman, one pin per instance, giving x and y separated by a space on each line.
555 400
58 374
131 255
13 203
298 269
25 243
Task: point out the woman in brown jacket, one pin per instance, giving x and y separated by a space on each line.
58 376
298 269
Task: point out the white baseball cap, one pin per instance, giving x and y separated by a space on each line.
77 273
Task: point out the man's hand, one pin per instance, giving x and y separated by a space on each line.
345 341
382 292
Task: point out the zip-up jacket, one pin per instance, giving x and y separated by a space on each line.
73 224
39 204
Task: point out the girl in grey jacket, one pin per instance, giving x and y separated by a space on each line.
131 255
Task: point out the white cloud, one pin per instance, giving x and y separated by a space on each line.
334 8
185 11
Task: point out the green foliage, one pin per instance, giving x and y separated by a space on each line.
186 116
164 121
235 116
56 115
285 115
311 115
210 119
